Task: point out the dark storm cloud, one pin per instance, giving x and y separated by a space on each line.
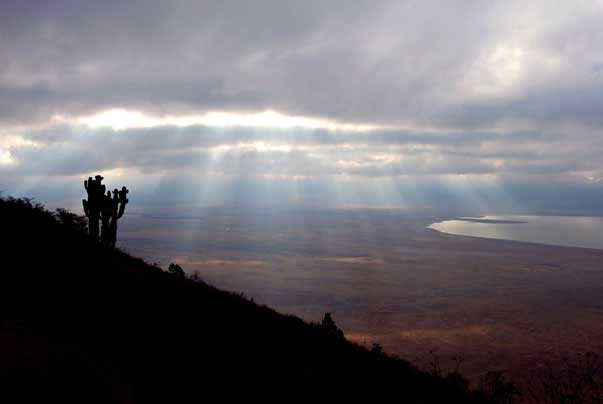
444 64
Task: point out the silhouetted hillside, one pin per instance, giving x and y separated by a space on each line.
86 325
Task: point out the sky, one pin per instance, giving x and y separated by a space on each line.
476 104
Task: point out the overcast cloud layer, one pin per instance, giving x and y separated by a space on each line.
498 95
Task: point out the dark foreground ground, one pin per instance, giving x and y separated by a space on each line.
83 325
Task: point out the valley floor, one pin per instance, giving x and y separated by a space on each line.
386 278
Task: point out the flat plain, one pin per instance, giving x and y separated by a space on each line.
387 279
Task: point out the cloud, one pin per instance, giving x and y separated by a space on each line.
454 65
300 152
505 90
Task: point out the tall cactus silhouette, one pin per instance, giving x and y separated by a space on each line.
93 205
105 216
104 208
118 205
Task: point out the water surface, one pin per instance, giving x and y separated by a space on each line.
570 231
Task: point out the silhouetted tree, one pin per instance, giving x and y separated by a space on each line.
377 349
328 325
176 270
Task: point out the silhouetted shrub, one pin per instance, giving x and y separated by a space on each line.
71 220
457 382
329 327
377 349
176 270
23 204
435 368
498 389
578 380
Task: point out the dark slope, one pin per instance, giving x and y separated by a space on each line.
89 326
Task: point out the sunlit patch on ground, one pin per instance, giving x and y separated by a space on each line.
447 335
220 262
362 338
355 260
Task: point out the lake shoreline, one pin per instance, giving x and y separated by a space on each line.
554 230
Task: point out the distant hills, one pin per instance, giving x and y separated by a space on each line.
81 324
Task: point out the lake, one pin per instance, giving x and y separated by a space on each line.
570 231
